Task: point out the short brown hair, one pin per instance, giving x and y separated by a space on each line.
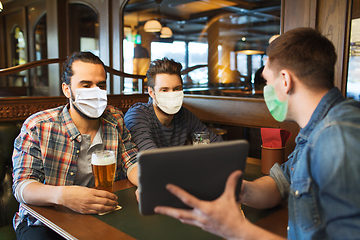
165 65
87 57
308 54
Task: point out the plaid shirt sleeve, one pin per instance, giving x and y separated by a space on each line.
27 160
129 150
126 148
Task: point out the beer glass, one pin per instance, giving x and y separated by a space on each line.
201 138
103 167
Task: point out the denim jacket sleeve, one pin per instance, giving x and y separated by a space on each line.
280 180
336 172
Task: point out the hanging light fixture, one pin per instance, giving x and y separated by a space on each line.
166 32
155 25
1 7
248 48
152 26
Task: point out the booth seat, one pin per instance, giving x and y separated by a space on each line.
8 204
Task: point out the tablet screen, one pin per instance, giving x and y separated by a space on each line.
201 170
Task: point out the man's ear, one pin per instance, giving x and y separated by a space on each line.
287 80
66 90
151 92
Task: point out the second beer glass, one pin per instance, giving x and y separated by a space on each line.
201 138
104 168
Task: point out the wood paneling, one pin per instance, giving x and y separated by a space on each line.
332 21
329 17
115 43
18 109
355 9
245 112
299 14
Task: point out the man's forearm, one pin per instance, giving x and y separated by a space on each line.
261 193
133 175
40 194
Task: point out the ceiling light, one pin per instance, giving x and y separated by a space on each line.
152 26
166 32
248 48
250 52
1 7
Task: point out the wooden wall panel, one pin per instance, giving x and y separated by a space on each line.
244 112
18 109
331 18
299 14
333 22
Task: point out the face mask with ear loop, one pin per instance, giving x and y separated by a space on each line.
169 102
277 108
90 101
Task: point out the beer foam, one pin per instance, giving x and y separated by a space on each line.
103 158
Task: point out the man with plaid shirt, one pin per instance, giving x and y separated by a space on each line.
52 154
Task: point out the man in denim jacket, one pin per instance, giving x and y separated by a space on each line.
321 178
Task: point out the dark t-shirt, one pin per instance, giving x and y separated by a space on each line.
147 132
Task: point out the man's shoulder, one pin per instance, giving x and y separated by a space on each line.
48 115
114 110
139 110
343 119
346 111
113 115
186 113
139 107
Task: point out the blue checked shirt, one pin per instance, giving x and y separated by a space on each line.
48 147
321 178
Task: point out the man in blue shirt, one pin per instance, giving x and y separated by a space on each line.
163 121
321 177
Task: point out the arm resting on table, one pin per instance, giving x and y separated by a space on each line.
261 193
80 199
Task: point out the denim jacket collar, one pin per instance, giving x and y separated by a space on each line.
330 99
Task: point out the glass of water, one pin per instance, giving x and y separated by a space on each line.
201 138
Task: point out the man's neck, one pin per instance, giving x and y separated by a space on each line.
85 126
304 106
164 118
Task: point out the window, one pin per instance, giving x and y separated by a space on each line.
40 80
353 82
225 39
84 28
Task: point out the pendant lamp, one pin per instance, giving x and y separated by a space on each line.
166 32
249 48
152 26
1 7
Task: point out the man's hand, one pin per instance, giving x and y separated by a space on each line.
221 216
87 200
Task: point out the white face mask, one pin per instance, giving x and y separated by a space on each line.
169 102
91 101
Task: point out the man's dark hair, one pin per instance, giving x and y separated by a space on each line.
87 57
306 53
165 65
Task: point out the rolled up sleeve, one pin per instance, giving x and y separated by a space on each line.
280 180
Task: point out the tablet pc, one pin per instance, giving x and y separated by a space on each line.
201 170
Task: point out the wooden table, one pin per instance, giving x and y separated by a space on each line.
72 225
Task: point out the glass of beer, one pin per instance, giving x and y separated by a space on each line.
103 167
201 138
